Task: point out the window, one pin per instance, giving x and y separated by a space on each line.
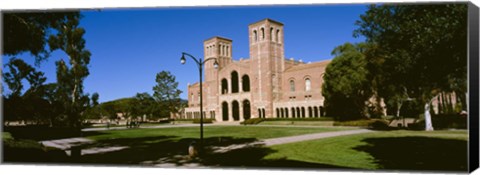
271 34
307 84
292 86
255 37
277 36
263 34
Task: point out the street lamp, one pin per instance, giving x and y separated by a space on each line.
200 64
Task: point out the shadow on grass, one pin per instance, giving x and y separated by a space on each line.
172 151
417 153
41 132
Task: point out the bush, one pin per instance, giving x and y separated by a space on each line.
252 121
299 119
379 125
362 123
443 121
205 120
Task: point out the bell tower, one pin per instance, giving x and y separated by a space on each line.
221 49
267 63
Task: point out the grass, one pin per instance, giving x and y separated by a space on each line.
257 132
298 123
23 150
6 135
394 150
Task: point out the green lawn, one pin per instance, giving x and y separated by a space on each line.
257 132
6 135
394 150
299 123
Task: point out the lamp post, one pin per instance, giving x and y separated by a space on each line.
200 64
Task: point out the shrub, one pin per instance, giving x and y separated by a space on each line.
379 125
362 123
205 120
252 121
299 119
443 121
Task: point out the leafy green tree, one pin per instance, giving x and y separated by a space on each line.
166 93
346 88
143 105
29 105
29 31
70 76
420 51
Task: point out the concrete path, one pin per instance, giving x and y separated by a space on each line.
290 139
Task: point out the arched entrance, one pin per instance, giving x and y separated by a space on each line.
246 109
293 112
235 110
225 111
286 112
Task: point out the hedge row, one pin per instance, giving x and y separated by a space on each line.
205 120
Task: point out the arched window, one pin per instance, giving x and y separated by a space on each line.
245 83
292 86
307 84
263 33
234 79
271 34
224 86
277 37
255 37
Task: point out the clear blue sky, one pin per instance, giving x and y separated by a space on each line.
129 46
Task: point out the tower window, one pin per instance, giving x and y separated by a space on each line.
271 34
277 35
263 33
255 37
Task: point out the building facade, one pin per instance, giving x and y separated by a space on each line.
266 85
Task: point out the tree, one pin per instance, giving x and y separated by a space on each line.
70 77
420 51
143 105
28 32
29 105
61 101
346 88
166 92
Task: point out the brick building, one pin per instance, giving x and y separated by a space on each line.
266 85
